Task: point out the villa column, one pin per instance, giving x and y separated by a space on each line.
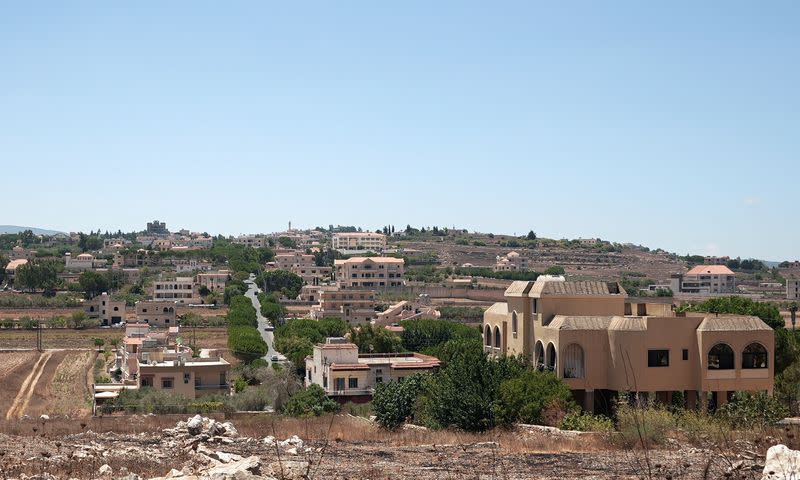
588 400
691 399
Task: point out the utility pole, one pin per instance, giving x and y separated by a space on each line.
39 335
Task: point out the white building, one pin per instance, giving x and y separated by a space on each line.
358 242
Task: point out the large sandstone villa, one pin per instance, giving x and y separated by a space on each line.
600 343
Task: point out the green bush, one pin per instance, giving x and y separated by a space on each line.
421 334
246 343
748 410
586 422
310 402
394 402
524 398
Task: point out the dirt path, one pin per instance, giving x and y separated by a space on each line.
26 390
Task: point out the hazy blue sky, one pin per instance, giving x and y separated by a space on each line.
670 124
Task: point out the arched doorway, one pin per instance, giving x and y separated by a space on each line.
720 357
573 361
538 355
550 357
498 341
487 336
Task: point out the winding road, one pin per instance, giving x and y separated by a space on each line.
263 323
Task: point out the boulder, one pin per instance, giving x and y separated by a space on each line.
195 425
288 470
105 471
251 465
782 463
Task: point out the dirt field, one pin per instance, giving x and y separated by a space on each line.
70 339
51 382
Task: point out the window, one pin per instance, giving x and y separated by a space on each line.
754 356
658 358
166 382
309 374
352 383
686 354
514 323
147 381
187 377
339 384
378 379
720 357
197 381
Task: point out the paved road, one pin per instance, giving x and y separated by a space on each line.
263 323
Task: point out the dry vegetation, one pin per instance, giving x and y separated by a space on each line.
353 448
70 339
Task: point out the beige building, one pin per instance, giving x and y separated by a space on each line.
511 262
255 241
599 344
214 281
304 266
20 253
157 313
156 360
352 306
311 293
107 311
358 242
84 261
179 289
406 310
705 280
344 374
793 288
369 272
12 266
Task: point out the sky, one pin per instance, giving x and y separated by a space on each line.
667 124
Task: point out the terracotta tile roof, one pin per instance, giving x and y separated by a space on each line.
710 270
597 288
580 322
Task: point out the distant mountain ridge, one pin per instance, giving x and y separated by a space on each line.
16 229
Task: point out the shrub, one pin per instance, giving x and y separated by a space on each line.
524 398
310 402
394 402
246 343
586 422
420 334
747 410
644 426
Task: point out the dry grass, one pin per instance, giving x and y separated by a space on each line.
67 338
68 390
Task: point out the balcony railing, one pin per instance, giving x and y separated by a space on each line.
221 386
351 391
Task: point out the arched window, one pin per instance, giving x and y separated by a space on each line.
550 357
91 309
166 310
498 342
754 356
573 361
514 323
487 336
720 357
538 355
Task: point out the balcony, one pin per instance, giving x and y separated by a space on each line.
220 386
351 392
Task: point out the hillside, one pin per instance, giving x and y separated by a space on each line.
4 229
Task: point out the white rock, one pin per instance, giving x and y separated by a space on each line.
782 463
292 451
44 417
195 424
270 440
105 471
249 464
230 430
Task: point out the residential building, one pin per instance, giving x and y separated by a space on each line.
107 311
302 265
140 258
406 310
511 262
11 267
115 244
599 344
255 241
705 280
190 265
346 375
157 313
793 288
358 242
84 261
157 360
157 228
369 272
180 289
19 253
311 293
352 306
214 281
